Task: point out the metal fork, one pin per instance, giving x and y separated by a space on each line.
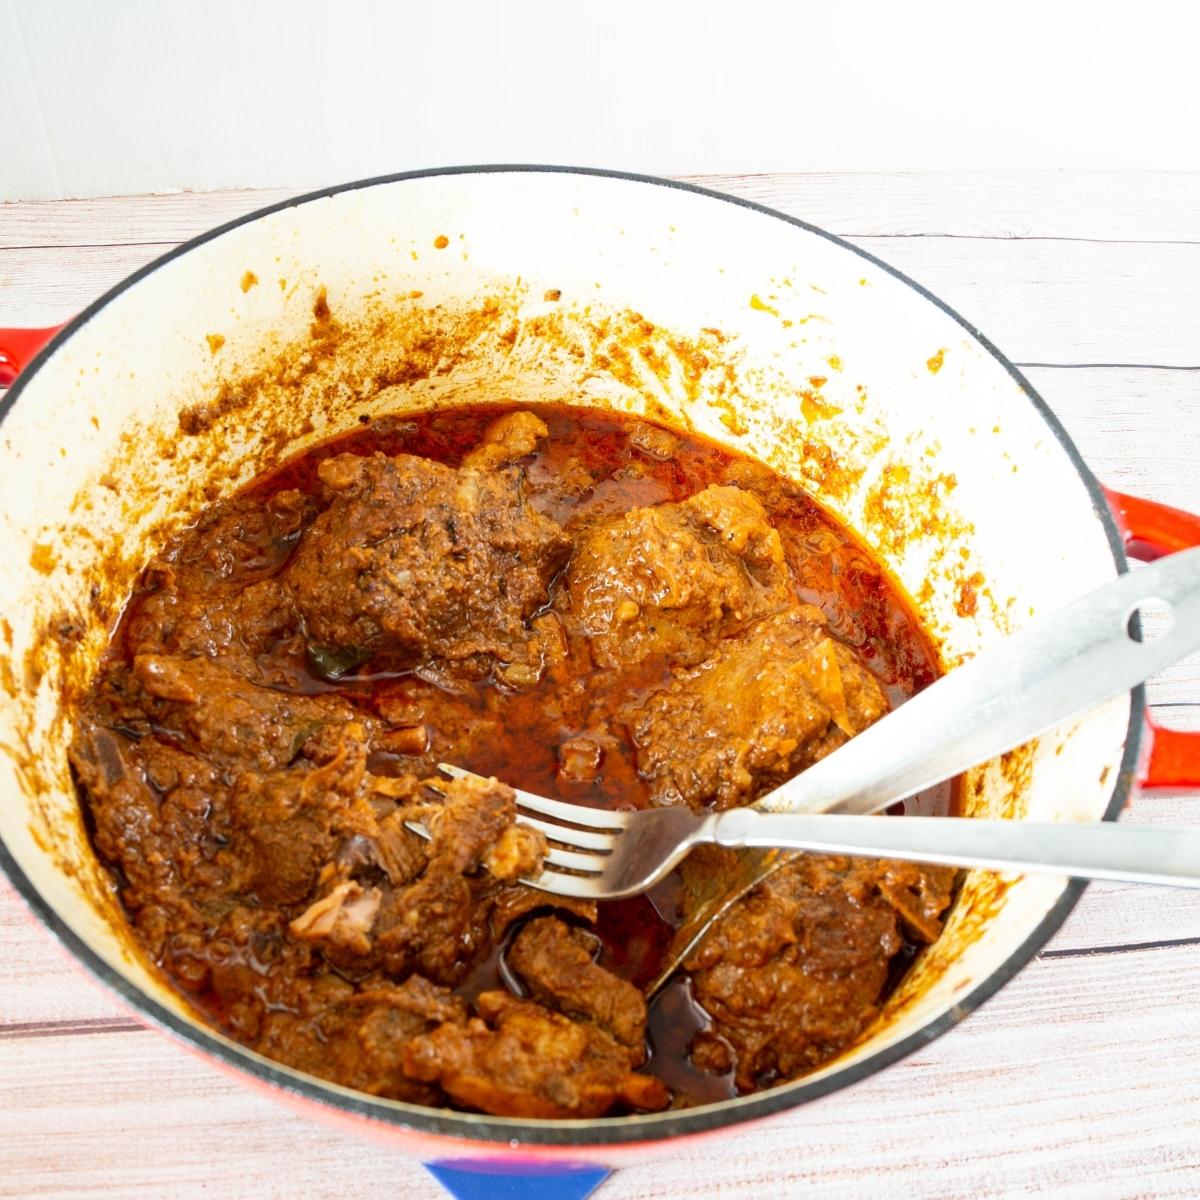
597 854
1055 667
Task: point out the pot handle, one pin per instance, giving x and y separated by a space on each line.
18 348
484 1179
1150 530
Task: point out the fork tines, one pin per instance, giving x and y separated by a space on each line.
571 828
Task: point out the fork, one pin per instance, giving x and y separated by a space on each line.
598 854
1057 666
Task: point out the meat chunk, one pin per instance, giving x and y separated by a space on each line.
518 851
920 894
794 973
579 760
435 925
344 917
430 927
423 563
555 961
653 440
224 716
284 826
507 439
472 815
360 1040
197 603
475 824
131 827
519 1060
283 858
673 579
513 901
398 851
763 707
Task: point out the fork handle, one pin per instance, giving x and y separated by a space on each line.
1100 850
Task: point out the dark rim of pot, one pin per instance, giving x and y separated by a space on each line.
511 1132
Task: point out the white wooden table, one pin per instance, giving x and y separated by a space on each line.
1080 1079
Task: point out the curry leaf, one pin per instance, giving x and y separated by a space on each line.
302 735
332 662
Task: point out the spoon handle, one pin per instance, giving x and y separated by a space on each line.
1058 666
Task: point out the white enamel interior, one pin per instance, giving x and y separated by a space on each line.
787 300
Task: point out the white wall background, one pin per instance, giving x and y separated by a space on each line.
106 97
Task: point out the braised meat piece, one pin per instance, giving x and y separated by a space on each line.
360 1039
556 963
432 926
196 604
794 973
437 925
220 714
516 1059
474 823
344 917
284 826
920 894
398 852
765 706
507 439
513 901
133 829
653 440
673 579
423 563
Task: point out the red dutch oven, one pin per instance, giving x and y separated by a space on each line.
532 283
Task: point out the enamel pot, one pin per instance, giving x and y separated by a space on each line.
447 287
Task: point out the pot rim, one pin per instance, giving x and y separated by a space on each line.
619 1131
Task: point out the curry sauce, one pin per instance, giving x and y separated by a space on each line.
574 602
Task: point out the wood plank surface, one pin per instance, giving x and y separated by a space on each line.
1081 1079
1078 205
1095 206
1042 1093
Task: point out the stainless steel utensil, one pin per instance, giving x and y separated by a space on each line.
618 854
